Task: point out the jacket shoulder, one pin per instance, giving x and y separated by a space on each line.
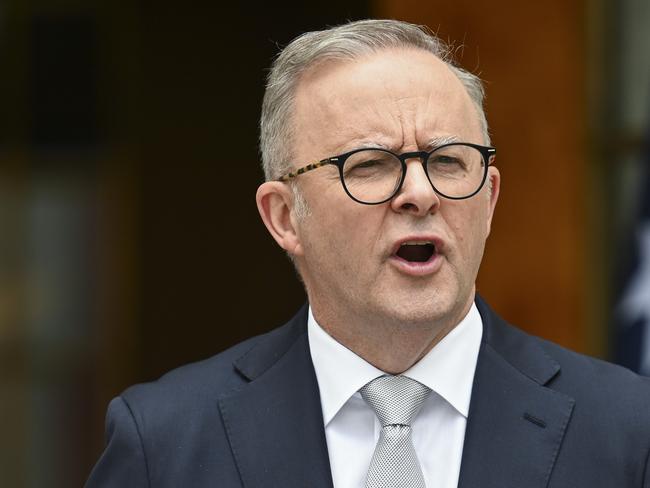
584 375
211 375
199 385
605 392
564 368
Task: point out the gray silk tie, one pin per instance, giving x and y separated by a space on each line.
396 401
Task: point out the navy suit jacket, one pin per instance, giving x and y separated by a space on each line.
540 416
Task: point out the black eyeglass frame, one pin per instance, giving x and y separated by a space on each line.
487 152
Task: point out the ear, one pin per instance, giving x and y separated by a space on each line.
275 205
494 180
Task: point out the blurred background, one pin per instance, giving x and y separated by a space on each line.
129 237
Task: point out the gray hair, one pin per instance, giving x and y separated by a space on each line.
345 42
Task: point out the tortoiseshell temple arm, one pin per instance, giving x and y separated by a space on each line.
304 169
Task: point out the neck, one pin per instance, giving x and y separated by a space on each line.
389 345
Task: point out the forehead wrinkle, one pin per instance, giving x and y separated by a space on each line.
371 127
433 126
392 109
402 115
405 117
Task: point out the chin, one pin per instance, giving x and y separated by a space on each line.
422 312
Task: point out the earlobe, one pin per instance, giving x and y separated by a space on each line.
275 205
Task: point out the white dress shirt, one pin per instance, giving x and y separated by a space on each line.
352 428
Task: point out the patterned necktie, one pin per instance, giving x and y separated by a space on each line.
396 401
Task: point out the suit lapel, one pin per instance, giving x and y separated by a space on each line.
274 423
514 430
515 425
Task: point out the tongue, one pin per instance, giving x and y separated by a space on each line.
416 253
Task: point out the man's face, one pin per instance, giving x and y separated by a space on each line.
401 100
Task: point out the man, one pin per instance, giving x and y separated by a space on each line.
380 187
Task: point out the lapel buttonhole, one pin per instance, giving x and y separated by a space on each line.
538 422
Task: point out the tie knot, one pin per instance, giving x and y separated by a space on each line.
395 399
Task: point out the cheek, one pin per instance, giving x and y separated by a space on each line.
349 237
355 234
469 228
330 233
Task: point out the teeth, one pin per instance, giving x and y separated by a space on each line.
416 243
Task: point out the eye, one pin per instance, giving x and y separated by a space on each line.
367 164
370 163
451 161
446 160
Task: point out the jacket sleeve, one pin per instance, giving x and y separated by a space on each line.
123 462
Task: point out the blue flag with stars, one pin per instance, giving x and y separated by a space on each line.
633 308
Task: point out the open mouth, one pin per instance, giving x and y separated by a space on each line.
416 252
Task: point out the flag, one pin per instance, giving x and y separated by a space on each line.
632 313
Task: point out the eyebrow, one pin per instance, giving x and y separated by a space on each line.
441 141
374 144
365 144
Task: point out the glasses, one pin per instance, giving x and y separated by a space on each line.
372 176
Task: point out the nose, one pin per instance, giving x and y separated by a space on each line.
416 195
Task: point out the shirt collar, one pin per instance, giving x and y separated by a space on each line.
448 369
